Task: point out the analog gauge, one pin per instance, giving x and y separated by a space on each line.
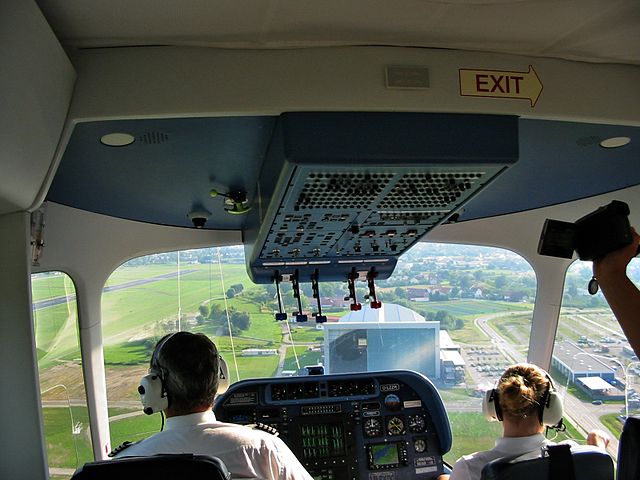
392 401
416 423
372 427
419 445
395 426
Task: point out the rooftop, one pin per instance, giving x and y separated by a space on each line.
578 360
388 313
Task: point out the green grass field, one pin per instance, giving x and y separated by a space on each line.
51 285
305 357
517 328
63 440
307 334
612 422
471 308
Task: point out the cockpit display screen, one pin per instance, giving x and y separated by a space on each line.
322 440
385 454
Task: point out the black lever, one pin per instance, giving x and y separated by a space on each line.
295 286
277 278
316 294
372 289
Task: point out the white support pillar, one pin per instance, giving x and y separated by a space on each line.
89 295
22 453
550 273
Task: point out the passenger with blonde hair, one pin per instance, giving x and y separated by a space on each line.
525 401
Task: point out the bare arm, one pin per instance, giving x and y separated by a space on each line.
598 438
621 293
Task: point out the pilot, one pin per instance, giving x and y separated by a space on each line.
622 295
525 401
186 367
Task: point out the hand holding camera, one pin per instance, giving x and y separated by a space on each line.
603 236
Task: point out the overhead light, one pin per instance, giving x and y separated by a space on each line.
615 142
117 139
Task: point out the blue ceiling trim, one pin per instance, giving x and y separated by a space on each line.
170 168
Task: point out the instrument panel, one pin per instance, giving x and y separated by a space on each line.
367 426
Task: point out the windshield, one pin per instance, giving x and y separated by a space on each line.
458 314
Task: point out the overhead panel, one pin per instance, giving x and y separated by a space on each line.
348 193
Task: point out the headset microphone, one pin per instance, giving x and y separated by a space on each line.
152 389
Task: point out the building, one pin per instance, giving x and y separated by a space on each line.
451 362
599 389
259 352
574 362
391 337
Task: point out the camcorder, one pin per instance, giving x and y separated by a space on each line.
592 236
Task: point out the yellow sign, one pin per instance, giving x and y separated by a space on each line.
501 84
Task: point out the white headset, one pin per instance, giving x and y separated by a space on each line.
152 389
550 409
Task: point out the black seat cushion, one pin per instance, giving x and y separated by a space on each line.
157 467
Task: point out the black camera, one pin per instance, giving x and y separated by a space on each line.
592 236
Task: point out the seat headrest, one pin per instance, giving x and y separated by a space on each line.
588 464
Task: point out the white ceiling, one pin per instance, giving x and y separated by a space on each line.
584 30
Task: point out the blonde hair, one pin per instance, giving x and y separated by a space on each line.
521 389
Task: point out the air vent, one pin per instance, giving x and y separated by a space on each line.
340 190
420 191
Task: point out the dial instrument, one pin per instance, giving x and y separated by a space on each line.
372 427
416 423
392 401
419 445
395 426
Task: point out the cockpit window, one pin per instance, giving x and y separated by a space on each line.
592 359
65 415
457 314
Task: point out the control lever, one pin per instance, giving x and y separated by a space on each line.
351 282
295 286
316 294
277 279
372 289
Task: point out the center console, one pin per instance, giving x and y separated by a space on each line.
366 426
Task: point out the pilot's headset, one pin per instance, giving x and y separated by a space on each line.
550 409
152 388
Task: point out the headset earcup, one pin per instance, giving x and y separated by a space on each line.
489 406
152 394
552 411
223 376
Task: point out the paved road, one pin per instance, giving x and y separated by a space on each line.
50 302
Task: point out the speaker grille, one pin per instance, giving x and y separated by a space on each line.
152 138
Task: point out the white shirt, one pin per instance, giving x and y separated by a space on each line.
244 451
469 467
